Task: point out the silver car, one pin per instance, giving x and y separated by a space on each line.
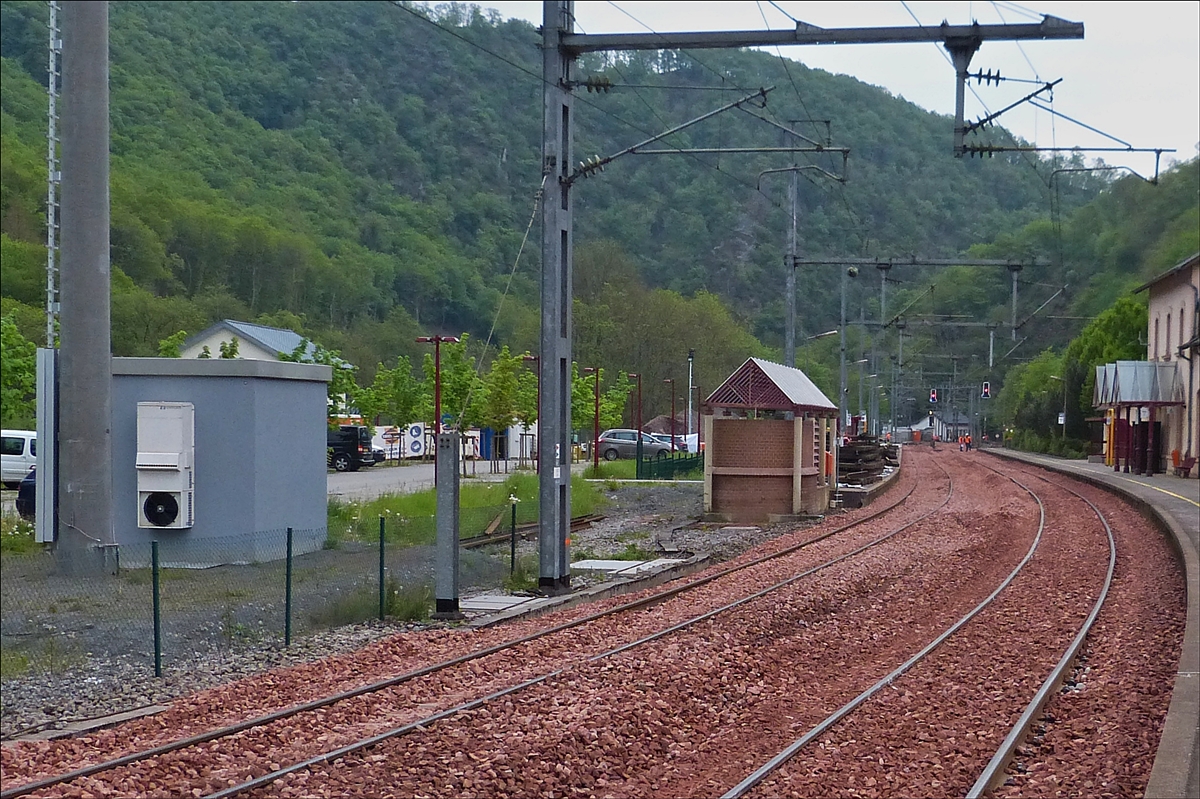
622 443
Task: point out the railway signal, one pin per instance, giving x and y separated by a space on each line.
933 395
987 390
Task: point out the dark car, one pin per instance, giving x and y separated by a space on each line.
27 494
349 447
620 443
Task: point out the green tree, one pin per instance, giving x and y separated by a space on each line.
18 373
170 346
395 393
342 388
462 388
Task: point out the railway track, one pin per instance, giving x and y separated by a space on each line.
483 722
772 778
524 531
377 692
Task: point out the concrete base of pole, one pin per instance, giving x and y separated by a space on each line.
87 561
447 610
552 587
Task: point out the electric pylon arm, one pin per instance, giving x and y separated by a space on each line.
802 168
973 126
596 164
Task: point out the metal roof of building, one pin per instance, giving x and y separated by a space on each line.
269 338
764 385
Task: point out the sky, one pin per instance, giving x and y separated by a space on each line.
1135 75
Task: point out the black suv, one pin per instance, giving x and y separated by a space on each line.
349 447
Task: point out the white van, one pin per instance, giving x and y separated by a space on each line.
18 454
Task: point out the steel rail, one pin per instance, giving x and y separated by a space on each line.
999 761
316 704
772 765
994 771
422 724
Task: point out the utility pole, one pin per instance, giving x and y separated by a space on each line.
789 357
561 46
691 388
85 439
554 414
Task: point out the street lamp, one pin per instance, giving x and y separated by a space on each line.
826 334
537 372
671 380
437 374
1064 382
859 363
691 359
639 414
587 370
846 273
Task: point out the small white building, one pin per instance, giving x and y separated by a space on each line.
255 342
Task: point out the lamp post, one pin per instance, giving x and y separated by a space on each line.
671 380
639 414
846 273
691 359
537 372
437 374
1064 422
859 363
826 334
596 419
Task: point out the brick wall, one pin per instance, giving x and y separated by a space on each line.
751 499
748 443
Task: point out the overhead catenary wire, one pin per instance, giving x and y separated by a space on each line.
578 98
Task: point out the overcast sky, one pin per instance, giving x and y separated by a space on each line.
1135 75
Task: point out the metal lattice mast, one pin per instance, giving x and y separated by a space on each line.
53 174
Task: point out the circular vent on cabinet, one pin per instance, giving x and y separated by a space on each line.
161 508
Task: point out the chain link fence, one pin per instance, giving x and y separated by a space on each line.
162 604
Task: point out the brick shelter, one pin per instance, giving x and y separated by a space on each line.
770 436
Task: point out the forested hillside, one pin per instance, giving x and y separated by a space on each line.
354 172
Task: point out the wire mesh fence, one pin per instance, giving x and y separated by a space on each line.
222 594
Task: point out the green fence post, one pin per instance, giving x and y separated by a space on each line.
512 557
382 588
157 609
287 600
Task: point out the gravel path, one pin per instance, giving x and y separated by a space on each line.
106 667
689 713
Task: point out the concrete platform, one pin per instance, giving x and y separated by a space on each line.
622 577
1173 504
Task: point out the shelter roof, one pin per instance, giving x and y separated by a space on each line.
764 385
1137 383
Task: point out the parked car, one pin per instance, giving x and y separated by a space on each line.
27 495
665 438
18 454
349 447
380 455
619 443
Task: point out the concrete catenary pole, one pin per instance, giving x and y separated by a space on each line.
85 388
554 413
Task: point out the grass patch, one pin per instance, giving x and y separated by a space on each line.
13 664
410 520
525 576
16 536
613 470
406 603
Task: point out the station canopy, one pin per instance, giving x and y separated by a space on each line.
1137 383
767 386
